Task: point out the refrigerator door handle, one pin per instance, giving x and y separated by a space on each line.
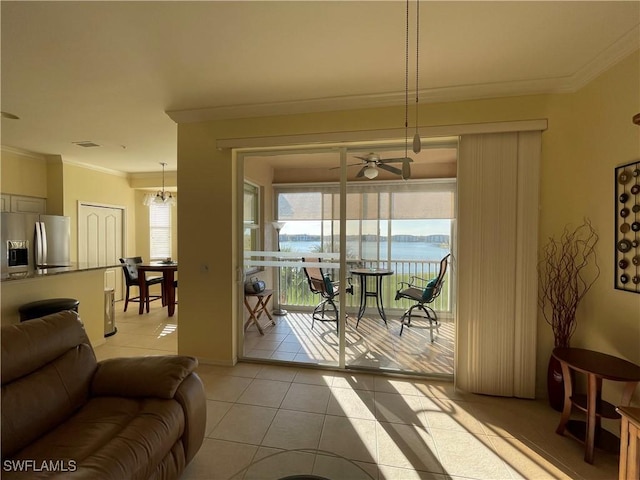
41 244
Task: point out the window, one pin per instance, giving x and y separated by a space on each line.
251 217
160 230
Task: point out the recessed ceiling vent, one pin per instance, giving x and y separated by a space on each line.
86 144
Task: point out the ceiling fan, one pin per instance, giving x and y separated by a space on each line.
372 161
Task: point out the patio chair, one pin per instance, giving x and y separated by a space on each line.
321 283
423 292
130 268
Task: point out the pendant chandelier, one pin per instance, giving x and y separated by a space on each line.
161 196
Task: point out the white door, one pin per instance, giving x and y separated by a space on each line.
100 241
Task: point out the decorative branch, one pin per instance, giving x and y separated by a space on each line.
565 280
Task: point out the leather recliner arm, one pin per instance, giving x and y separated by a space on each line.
154 376
191 396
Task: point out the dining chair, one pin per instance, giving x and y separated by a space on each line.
130 269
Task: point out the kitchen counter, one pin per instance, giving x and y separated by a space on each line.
45 272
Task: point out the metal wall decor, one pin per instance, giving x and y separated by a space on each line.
627 215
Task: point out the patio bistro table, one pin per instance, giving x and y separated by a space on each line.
168 274
364 274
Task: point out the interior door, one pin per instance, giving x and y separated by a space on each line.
100 241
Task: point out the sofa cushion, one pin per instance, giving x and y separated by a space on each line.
112 438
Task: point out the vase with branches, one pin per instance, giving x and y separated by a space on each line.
568 269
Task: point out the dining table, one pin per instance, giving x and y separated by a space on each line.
168 270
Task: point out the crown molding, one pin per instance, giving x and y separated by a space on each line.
617 51
96 168
24 153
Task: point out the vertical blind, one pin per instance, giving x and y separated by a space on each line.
498 177
160 230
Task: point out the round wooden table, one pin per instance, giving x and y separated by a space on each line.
596 366
376 293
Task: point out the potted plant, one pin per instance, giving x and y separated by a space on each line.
568 268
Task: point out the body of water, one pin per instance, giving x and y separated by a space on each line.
399 250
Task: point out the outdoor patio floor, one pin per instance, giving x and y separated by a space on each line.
371 345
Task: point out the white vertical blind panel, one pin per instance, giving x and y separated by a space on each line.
498 176
524 380
487 179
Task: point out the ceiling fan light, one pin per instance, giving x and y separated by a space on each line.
371 172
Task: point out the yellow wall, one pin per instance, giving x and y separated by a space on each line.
589 133
603 137
23 174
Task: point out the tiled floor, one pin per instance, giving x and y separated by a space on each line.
372 344
268 422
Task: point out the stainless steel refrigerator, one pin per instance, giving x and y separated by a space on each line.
31 241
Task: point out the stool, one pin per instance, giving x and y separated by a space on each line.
258 309
38 309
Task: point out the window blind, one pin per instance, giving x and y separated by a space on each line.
160 231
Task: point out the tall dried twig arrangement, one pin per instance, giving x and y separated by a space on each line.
565 279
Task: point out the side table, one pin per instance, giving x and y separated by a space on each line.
597 366
258 308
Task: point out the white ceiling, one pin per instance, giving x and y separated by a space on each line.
108 72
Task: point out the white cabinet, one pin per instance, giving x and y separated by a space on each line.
5 203
23 204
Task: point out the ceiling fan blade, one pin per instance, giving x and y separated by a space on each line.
361 172
406 171
396 160
388 168
350 165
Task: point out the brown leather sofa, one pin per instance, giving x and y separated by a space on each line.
64 415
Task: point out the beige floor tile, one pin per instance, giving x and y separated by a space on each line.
402 386
215 411
271 463
219 460
446 414
395 473
408 447
352 403
314 377
283 356
352 438
272 372
290 430
329 466
307 398
224 388
266 393
356 381
524 463
456 449
244 424
394 408
289 347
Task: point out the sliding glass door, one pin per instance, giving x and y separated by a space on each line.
395 232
